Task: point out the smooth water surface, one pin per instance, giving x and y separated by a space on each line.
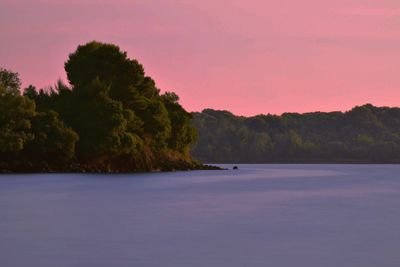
260 215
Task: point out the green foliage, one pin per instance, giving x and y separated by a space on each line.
53 142
111 118
15 114
101 124
363 134
182 132
104 61
9 81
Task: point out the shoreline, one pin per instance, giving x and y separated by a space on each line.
201 167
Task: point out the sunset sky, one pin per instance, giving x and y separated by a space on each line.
249 57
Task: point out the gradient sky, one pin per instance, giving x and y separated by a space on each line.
249 57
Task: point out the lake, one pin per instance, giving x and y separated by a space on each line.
259 215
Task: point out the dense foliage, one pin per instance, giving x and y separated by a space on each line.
363 134
111 118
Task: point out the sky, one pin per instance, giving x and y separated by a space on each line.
248 57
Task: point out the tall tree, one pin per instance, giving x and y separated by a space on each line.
15 114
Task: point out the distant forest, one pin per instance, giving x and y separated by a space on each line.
111 118
365 134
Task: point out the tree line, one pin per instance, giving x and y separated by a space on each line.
365 134
111 118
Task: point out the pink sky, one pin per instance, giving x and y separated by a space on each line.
249 57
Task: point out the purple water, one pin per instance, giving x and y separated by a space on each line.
260 215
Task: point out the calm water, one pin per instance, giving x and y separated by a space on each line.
261 215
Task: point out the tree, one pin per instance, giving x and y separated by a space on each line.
122 81
107 63
31 92
182 132
15 114
102 123
9 81
110 118
53 145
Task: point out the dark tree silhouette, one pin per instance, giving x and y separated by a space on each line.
111 118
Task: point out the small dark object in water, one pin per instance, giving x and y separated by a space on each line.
235 168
